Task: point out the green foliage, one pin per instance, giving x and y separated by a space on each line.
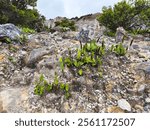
88 56
56 81
12 59
27 30
79 53
23 38
109 33
42 86
16 12
66 24
12 48
22 4
80 72
122 14
68 61
118 49
61 64
6 40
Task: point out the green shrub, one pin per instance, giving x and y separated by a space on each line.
123 13
16 12
27 30
109 33
66 24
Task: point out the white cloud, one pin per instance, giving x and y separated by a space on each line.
71 8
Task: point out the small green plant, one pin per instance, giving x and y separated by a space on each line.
42 86
68 61
118 49
80 72
79 53
23 38
65 88
88 55
56 81
27 30
13 49
6 40
12 59
61 64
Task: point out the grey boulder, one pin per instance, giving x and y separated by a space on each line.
10 31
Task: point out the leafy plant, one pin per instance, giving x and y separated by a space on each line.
56 82
18 13
49 87
6 40
88 55
61 64
119 49
12 48
62 86
80 72
79 53
67 87
68 61
12 59
23 38
27 30
42 86
125 14
67 95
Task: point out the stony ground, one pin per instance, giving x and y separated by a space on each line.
123 87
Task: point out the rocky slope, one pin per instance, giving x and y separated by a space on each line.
123 87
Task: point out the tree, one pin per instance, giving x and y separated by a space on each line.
126 14
142 12
18 13
23 4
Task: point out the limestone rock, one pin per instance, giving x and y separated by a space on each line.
147 100
10 31
37 54
120 33
83 36
123 104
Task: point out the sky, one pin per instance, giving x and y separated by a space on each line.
71 8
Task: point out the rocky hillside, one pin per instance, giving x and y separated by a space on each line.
121 85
